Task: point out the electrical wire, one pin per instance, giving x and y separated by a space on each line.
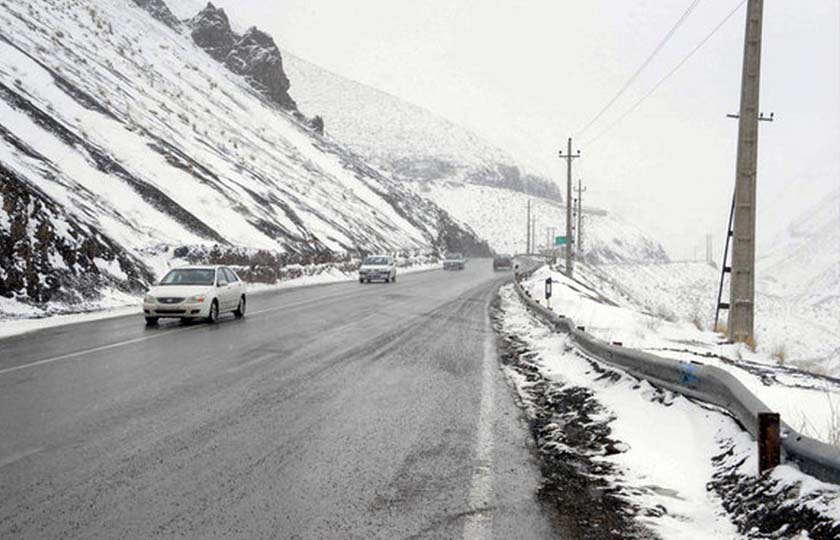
647 61
666 77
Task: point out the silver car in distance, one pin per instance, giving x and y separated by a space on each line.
195 292
378 267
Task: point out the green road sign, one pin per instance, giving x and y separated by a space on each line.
559 240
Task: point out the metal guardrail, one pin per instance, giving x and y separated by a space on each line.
696 380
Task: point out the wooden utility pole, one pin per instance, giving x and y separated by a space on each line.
568 156
742 280
579 236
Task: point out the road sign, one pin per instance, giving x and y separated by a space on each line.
559 240
548 288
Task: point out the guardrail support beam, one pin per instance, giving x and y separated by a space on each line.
769 441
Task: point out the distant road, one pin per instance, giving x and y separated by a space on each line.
337 411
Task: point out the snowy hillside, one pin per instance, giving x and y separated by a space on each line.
788 330
499 215
806 261
476 183
408 141
121 139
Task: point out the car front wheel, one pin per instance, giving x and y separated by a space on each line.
151 321
213 315
240 309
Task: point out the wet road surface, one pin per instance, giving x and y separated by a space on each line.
337 411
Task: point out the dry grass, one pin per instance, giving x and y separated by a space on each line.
780 354
697 320
750 343
720 328
832 434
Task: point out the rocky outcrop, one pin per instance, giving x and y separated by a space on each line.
48 256
256 57
253 55
210 30
160 11
317 124
458 237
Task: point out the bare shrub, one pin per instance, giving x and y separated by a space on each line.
665 313
780 354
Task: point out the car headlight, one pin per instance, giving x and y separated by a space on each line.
196 299
149 299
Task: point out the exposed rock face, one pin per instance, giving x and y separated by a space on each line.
46 255
317 124
160 11
254 55
210 30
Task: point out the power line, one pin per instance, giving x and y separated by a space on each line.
666 77
647 61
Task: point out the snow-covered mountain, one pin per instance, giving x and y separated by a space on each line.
123 136
805 262
474 181
500 215
407 141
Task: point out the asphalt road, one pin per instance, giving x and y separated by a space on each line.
338 411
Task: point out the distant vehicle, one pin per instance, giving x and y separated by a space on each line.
378 267
453 261
195 292
502 262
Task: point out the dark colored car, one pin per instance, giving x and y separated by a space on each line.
453 261
502 262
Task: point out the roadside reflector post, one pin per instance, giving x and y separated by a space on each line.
548 292
769 442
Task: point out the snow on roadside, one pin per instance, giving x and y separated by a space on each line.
808 402
688 470
668 442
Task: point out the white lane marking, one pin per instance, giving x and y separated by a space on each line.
249 363
14 458
481 499
93 350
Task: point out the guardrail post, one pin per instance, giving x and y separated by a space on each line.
769 442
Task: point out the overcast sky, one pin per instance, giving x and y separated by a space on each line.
528 74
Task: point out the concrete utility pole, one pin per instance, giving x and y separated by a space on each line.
528 229
580 189
568 156
742 281
534 234
709 257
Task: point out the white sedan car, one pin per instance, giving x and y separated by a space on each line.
195 292
378 267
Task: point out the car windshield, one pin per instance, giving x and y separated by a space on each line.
189 276
451 256
375 261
